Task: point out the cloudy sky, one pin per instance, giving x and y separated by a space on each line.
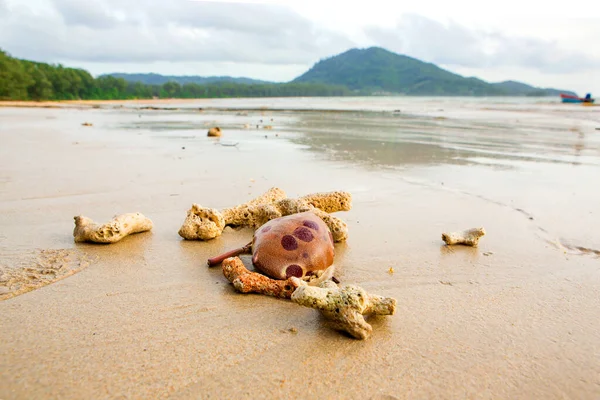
549 44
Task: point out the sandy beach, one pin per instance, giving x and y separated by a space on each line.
516 317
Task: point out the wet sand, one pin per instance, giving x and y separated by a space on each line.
146 318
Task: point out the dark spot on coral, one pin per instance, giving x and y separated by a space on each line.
303 234
289 243
311 225
266 229
337 310
287 287
293 270
305 255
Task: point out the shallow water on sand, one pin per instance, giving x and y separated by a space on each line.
536 157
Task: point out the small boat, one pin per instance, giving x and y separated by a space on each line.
567 98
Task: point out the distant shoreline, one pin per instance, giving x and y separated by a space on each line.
98 103
82 103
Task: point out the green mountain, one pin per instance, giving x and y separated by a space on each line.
157 79
376 70
380 75
356 72
523 89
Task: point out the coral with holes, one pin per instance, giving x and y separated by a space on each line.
86 230
469 237
238 215
202 222
205 224
344 307
246 281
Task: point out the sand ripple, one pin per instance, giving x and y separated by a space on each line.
24 272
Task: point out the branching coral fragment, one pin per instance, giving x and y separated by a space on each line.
239 215
86 230
329 201
345 306
246 281
205 224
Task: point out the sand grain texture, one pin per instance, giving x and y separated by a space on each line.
32 270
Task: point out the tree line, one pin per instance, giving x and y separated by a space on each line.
29 80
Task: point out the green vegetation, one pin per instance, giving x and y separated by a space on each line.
369 71
522 89
27 80
157 79
379 70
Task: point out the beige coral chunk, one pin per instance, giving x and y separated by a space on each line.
338 228
86 230
470 237
260 215
272 204
344 307
240 215
202 223
256 216
214 132
329 201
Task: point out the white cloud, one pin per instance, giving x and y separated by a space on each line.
540 42
150 31
92 14
457 45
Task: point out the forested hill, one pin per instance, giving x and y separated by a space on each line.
522 89
353 73
157 79
28 80
378 70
